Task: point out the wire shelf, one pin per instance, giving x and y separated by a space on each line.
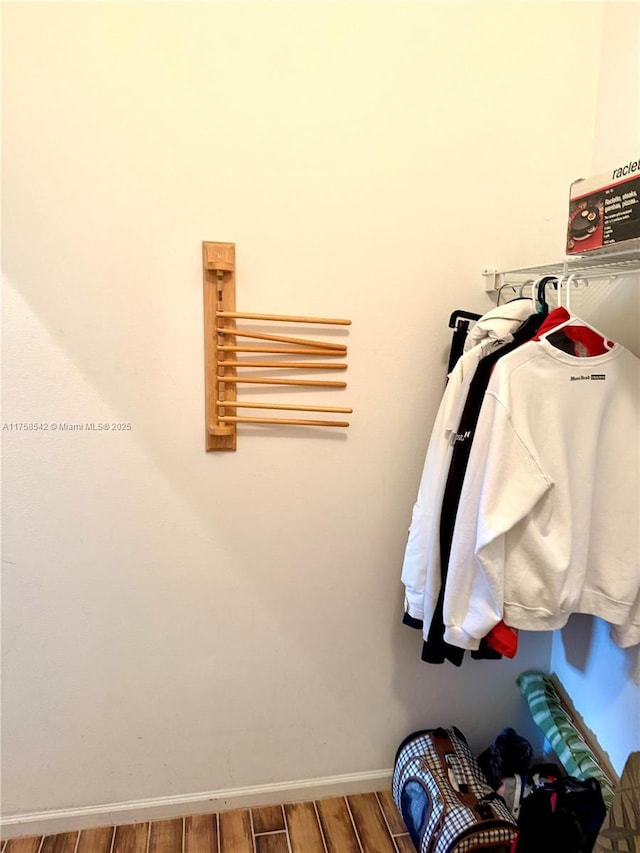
604 264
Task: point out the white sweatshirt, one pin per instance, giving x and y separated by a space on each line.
548 523
498 322
421 573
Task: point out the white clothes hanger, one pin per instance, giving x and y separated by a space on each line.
559 289
569 283
566 281
573 317
579 321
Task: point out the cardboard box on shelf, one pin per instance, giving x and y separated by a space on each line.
604 211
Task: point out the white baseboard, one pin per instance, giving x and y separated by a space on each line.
160 808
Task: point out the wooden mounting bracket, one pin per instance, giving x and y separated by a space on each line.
219 270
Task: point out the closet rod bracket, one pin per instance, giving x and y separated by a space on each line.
491 277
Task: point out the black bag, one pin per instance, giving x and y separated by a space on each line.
444 798
561 816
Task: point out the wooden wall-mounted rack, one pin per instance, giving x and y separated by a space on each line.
222 363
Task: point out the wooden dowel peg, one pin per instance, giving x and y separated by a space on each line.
305 365
291 421
285 407
283 318
283 350
281 339
270 381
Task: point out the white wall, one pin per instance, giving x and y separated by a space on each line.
595 672
177 622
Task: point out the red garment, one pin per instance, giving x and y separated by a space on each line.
503 639
588 343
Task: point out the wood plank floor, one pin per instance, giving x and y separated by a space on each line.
360 823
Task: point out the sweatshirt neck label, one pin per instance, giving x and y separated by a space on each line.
593 377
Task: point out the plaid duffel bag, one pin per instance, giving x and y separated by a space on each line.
445 799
